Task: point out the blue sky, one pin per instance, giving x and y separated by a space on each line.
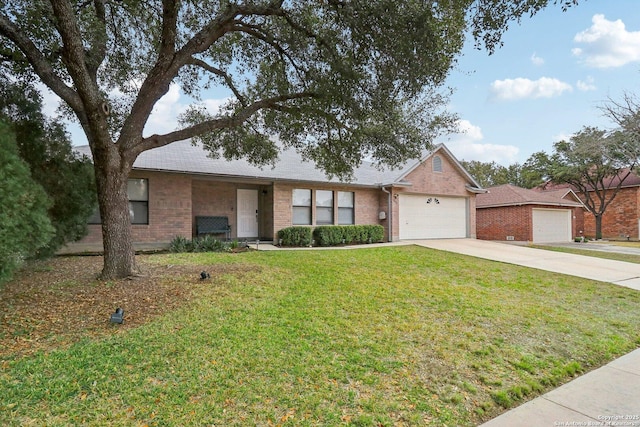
546 82
543 85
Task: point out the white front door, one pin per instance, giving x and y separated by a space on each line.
247 213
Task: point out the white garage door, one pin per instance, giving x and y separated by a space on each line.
551 225
432 217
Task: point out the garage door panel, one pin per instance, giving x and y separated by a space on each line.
551 225
432 217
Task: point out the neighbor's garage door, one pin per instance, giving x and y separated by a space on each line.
551 225
431 217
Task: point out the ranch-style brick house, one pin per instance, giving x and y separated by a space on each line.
169 187
511 213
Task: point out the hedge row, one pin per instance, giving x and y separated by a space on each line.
331 235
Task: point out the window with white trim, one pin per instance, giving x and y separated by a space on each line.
301 207
346 207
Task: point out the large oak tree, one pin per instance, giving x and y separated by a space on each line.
334 79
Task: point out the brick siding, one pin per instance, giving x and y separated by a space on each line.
620 218
499 222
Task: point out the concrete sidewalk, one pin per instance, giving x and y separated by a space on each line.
608 396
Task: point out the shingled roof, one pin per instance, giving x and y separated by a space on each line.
185 157
510 195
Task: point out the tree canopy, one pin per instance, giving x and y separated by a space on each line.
596 163
335 79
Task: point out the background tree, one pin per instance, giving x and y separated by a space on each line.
488 174
24 224
333 79
595 163
492 174
45 145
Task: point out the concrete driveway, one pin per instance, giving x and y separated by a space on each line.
618 272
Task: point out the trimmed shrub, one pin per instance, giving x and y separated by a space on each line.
328 235
332 235
376 233
295 236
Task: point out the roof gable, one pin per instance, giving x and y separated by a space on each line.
441 149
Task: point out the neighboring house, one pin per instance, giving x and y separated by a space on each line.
507 212
172 185
621 218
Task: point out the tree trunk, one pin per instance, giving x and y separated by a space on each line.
598 219
119 254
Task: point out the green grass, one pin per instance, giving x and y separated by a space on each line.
367 337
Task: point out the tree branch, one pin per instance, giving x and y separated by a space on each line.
202 64
273 103
75 59
254 31
98 51
41 66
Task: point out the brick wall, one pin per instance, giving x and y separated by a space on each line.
620 219
367 204
517 221
498 223
169 210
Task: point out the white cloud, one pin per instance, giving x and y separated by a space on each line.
164 117
536 60
521 88
607 44
586 85
562 137
468 145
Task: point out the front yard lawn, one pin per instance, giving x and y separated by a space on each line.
366 337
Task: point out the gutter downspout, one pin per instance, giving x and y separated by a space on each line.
390 216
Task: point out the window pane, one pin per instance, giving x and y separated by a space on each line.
324 216
301 215
138 189
345 216
345 199
324 198
139 212
301 197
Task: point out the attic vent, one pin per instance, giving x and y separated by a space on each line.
437 164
